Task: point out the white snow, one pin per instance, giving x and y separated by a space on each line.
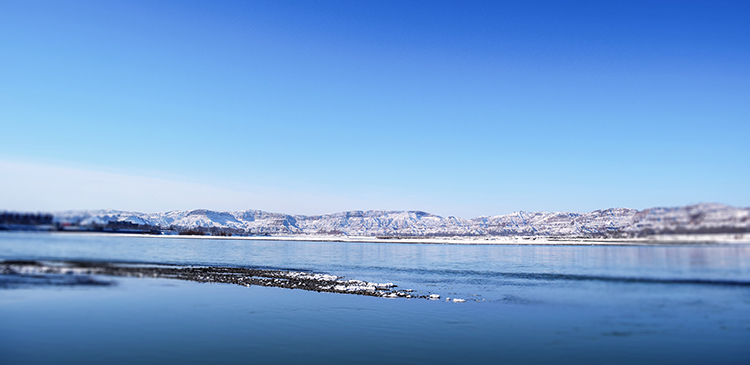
400 225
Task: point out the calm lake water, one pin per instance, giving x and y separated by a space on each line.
525 304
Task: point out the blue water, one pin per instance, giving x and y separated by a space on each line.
525 304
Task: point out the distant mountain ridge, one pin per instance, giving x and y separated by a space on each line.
617 222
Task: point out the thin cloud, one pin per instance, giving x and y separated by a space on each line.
40 187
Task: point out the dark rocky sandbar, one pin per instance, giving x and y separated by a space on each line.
84 272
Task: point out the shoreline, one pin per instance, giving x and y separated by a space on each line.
655 240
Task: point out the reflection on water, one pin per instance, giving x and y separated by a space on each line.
538 304
675 261
14 281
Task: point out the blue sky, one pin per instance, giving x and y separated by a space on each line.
460 108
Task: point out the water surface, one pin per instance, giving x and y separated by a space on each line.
537 304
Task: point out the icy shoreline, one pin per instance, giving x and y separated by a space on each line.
666 239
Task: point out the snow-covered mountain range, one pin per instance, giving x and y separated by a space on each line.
700 218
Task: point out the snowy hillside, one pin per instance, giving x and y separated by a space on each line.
701 218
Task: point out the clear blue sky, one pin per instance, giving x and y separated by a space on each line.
460 108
